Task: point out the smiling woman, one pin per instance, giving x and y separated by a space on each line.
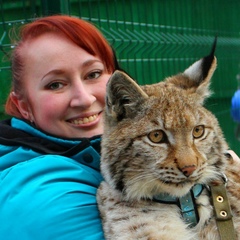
64 85
50 149
65 65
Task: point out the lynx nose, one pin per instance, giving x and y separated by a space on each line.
188 170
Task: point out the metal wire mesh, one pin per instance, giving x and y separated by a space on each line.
152 38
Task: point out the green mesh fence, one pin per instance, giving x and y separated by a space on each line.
153 39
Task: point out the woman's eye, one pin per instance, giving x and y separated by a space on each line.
93 75
198 131
55 86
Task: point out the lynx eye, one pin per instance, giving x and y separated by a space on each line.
157 136
198 131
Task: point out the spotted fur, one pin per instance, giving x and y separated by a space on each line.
161 139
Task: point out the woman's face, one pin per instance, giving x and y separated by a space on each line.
65 87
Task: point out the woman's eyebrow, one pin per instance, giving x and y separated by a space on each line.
54 71
60 71
90 62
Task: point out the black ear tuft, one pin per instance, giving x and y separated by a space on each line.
208 60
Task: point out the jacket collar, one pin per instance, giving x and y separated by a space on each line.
26 135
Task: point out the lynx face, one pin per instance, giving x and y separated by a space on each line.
159 138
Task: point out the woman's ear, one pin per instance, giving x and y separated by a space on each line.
23 106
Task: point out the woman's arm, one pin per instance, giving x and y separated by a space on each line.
49 197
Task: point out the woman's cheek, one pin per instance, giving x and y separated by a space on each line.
49 108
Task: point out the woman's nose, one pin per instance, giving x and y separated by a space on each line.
81 96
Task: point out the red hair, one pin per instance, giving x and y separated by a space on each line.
80 32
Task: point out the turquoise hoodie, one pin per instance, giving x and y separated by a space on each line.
48 185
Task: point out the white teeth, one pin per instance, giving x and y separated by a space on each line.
84 120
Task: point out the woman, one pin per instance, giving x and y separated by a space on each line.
49 150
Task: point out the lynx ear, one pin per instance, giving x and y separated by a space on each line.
196 78
201 73
124 96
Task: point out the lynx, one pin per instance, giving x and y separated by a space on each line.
162 153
